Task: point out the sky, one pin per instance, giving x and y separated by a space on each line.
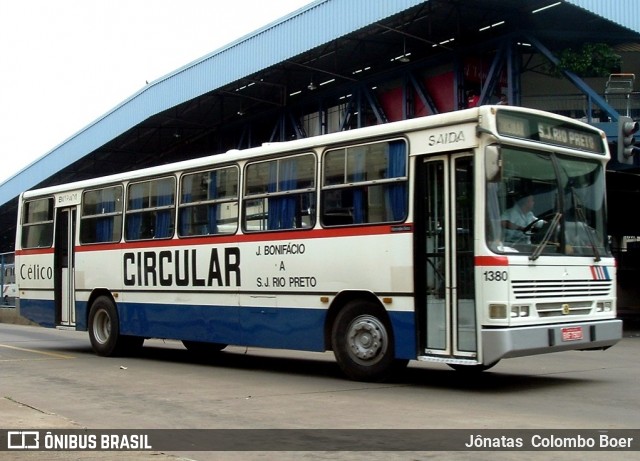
65 63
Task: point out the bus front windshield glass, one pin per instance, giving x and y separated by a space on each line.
544 203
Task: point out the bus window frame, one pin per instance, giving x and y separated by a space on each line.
262 196
345 215
25 224
112 214
150 209
182 205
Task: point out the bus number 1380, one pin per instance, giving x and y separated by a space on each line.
495 276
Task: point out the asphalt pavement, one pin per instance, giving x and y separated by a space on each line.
17 416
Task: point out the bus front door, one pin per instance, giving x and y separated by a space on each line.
63 267
445 289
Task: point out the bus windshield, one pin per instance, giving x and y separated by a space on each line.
545 203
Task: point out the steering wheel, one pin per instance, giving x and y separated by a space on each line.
542 217
528 227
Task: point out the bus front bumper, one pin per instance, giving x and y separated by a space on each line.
541 339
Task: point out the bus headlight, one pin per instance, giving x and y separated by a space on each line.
519 311
497 311
604 306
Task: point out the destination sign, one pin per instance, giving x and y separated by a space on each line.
549 131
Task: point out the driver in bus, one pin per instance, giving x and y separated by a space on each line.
517 220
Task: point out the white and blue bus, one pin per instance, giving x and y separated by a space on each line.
383 244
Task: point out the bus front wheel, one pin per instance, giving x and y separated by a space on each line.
104 330
362 342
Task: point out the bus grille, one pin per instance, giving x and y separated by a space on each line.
542 289
563 309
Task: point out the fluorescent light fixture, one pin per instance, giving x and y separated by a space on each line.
444 42
545 7
491 26
361 70
402 58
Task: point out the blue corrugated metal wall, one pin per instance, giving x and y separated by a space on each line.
623 12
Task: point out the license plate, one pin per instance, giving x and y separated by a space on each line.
572 333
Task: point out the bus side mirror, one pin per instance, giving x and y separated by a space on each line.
492 163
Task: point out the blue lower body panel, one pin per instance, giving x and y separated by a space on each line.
404 333
248 326
282 328
40 311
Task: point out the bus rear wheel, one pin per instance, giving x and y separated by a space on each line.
104 330
362 342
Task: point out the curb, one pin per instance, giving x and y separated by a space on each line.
10 315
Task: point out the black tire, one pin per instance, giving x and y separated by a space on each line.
203 349
362 342
104 330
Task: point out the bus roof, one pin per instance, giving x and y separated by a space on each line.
268 149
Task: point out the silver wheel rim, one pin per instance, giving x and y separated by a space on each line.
101 326
367 340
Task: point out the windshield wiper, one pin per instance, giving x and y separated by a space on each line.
583 219
547 235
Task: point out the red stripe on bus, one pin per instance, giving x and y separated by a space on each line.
236 238
491 261
34 251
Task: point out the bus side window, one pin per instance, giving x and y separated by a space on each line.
101 219
365 184
209 203
37 223
280 194
150 209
